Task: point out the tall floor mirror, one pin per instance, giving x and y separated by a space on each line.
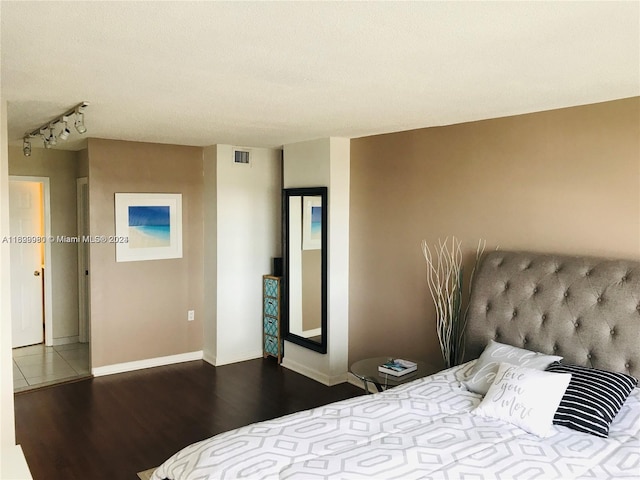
304 213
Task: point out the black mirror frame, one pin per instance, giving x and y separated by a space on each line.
284 313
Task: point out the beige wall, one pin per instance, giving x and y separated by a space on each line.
61 167
565 181
139 309
311 289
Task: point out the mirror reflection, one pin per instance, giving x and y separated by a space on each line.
305 267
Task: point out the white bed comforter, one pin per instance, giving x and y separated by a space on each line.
419 430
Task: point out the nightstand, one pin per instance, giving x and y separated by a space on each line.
367 371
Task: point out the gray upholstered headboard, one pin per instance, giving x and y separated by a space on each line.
583 308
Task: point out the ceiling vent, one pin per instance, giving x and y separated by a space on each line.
241 157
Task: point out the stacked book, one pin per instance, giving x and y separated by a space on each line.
398 367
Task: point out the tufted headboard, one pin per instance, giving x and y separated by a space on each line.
583 308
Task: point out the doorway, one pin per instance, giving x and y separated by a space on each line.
53 351
29 234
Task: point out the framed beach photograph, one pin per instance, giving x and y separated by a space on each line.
151 223
312 223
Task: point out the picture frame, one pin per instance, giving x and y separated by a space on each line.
312 223
148 226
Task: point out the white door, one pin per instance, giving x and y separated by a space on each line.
27 259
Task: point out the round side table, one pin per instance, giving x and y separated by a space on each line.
367 371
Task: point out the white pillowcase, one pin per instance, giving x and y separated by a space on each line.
484 370
524 397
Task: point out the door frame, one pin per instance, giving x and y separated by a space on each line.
46 212
84 313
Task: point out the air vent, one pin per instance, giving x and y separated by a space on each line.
242 157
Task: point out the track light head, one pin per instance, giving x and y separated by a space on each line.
65 132
79 123
26 147
53 141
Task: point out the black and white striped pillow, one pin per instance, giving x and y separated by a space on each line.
592 399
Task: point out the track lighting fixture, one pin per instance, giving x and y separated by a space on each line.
47 132
26 147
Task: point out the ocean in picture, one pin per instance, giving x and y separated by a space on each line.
149 226
316 222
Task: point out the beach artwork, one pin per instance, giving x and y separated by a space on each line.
150 224
149 227
316 223
312 223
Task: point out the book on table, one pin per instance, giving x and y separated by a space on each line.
398 367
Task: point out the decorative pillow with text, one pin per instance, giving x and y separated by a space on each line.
484 371
524 397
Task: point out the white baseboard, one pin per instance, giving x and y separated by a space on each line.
148 363
311 333
209 358
305 370
338 379
218 361
314 374
65 340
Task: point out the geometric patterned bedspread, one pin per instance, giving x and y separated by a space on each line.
422 429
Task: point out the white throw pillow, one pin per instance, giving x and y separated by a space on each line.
484 370
524 397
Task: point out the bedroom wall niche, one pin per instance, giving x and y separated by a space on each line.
309 164
242 236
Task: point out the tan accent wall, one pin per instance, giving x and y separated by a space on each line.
564 181
61 167
139 309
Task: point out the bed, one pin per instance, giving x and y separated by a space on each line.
544 324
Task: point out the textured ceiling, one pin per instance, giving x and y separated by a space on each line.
271 73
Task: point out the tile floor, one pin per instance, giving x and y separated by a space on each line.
38 365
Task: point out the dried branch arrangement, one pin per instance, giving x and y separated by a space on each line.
444 278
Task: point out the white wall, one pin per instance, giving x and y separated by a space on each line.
339 185
210 284
318 163
6 396
247 214
12 463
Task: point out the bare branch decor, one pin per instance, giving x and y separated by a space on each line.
444 278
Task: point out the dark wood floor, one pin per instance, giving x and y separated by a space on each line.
114 426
